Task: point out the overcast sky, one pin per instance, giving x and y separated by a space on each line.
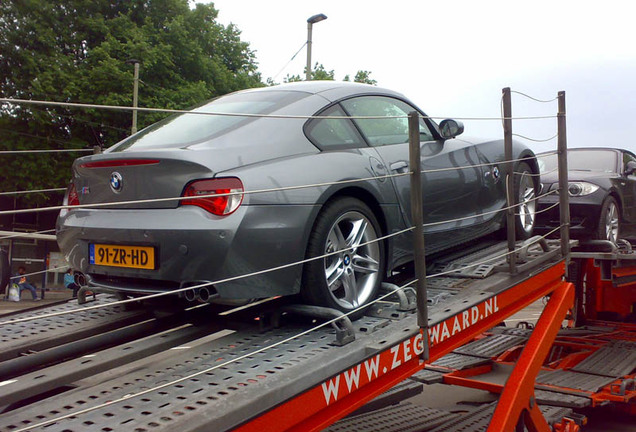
453 57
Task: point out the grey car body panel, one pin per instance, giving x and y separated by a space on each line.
271 229
210 249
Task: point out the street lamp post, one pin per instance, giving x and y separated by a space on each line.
135 62
310 22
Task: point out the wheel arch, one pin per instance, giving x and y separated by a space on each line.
366 196
614 194
530 158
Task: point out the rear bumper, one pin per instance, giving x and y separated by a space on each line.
194 247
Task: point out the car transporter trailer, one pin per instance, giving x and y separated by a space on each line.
274 365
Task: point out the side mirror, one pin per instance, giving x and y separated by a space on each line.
630 169
451 128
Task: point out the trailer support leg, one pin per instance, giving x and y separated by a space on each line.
517 401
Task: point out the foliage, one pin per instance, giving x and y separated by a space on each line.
320 73
362 76
77 51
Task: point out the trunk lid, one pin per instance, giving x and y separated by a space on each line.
123 177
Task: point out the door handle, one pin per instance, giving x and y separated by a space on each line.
400 166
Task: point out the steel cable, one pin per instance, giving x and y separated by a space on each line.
26 234
280 189
33 191
298 117
257 351
533 98
534 139
244 276
9 152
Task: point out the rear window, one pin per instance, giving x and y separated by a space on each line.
183 130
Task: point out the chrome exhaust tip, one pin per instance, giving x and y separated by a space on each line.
191 295
204 294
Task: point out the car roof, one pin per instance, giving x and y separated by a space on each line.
331 90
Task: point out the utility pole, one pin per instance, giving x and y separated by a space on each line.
135 62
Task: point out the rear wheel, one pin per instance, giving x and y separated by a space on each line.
349 277
609 221
525 197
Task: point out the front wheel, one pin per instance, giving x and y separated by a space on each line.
525 197
609 221
353 262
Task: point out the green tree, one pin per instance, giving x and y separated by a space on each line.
76 51
362 76
320 73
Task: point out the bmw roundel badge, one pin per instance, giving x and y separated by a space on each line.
116 182
495 173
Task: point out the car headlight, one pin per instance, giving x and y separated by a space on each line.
577 189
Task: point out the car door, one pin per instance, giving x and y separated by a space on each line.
450 187
629 190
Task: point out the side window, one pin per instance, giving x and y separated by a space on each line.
379 131
333 133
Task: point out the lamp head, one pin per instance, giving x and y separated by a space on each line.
316 18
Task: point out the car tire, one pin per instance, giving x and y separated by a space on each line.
608 227
525 194
350 278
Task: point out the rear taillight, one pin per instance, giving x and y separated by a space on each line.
218 205
72 199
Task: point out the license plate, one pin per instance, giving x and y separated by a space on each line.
142 257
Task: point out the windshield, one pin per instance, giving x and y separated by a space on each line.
593 160
182 130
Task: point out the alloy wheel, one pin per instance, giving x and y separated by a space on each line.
352 269
611 222
527 202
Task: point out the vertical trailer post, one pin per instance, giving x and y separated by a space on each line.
510 199
418 223
517 401
564 201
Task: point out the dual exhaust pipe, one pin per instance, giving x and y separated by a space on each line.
200 294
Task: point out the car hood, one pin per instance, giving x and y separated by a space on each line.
553 177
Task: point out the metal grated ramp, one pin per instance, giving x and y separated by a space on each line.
573 380
615 359
491 346
458 362
42 333
448 283
392 396
467 260
163 407
511 331
561 399
464 270
479 419
221 398
404 417
427 376
436 296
